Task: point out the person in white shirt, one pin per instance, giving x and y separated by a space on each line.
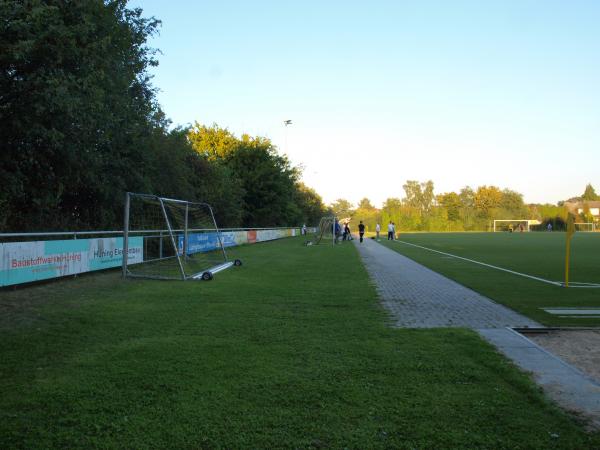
377 230
391 230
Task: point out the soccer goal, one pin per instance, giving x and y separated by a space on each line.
515 225
180 239
585 226
325 232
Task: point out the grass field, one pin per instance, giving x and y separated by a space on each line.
538 254
290 350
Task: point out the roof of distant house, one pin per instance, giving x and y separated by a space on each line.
572 206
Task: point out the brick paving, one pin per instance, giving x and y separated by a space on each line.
418 297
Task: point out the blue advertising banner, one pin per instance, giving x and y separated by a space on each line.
206 242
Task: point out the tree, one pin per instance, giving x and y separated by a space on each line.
512 205
590 193
342 208
419 195
487 199
367 213
365 204
269 183
213 142
310 203
452 202
271 194
391 210
467 210
77 111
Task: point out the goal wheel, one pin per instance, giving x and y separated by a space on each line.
207 276
237 262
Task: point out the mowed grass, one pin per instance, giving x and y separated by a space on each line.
291 350
539 254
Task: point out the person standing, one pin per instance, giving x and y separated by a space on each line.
361 231
377 230
390 231
303 230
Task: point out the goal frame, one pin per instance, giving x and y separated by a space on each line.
526 221
206 274
592 226
321 230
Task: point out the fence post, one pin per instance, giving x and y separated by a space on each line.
126 234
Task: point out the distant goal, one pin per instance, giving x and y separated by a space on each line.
514 225
325 232
180 239
585 226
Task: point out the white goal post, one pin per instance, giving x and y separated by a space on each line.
514 224
180 240
325 232
585 226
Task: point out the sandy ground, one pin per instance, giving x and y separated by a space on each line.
580 348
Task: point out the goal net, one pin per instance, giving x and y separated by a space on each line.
585 226
325 232
181 239
510 225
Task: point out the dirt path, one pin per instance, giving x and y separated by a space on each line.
580 348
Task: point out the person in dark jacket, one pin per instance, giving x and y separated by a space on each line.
347 235
361 230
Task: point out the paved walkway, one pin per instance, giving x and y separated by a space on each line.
418 297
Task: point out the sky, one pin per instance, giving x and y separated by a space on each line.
503 93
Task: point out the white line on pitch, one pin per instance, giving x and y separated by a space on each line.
554 283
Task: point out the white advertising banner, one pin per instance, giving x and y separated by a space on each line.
269 235
22 262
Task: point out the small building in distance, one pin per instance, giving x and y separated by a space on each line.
579 207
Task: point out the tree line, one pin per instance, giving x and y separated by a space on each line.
81 125
467 210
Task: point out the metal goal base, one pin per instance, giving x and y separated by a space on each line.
208 273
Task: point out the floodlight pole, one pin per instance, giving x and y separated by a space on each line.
286 123
126 233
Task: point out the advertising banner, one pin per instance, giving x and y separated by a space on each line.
206 242
22 262
269 235
241 237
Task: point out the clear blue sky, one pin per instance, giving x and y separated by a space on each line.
459 92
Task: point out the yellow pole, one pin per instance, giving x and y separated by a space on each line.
570 231
568 253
